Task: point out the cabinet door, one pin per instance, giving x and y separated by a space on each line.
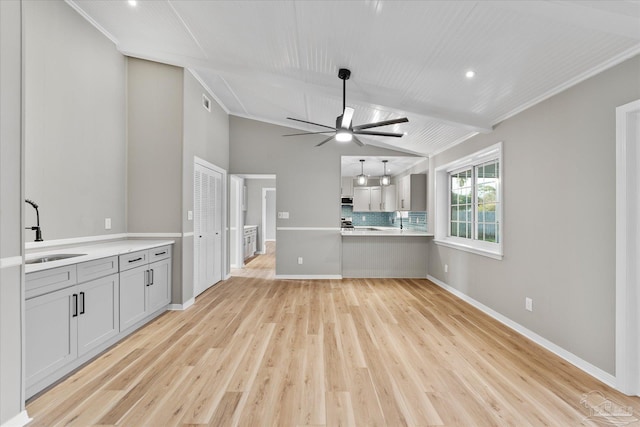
389 198
132 296
97 312
375 203
404 193
50 333
361 199
347 186
159 287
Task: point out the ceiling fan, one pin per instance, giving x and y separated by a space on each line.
344 131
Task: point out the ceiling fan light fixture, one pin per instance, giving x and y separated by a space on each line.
344 135
362 178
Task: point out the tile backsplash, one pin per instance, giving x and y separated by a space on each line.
415 221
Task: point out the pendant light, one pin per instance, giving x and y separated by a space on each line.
385 179
362 178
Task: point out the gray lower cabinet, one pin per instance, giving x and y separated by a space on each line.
68 323
76 311
51 334
145 286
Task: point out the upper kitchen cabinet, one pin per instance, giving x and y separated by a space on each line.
407 190
412 193
347 186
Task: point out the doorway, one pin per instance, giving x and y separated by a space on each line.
268 217
208 198
628 248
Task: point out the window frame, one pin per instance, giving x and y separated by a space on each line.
443 204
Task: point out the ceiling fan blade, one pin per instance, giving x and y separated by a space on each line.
309 133
364 132
326 140
357 141
346 117
311 123
383 123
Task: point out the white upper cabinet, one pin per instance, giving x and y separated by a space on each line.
347 186
412 193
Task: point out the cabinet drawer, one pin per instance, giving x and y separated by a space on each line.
98 268
134 259
156 254
46 281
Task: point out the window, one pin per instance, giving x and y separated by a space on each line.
469 203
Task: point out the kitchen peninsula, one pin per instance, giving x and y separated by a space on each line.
384 252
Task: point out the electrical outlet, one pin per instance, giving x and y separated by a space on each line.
107 223
190 215
283 215
528 304
299 260
446 268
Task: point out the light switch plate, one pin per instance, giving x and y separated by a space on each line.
190 215
283 215
107 223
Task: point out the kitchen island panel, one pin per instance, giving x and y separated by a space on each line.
384 256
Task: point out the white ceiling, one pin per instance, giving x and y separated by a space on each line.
269 60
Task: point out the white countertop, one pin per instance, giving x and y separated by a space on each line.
383 231
247 227
91 252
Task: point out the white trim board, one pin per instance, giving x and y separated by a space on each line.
576 361
12 261
74 240
627 248
308 229
20 420
308 276
180 307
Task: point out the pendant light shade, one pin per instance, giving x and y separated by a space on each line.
385 179
362 178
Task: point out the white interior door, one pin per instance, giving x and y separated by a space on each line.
207 227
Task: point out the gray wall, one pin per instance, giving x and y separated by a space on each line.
154 127
75 144
559 218
253 215
308 187
206 135
11 288
168 127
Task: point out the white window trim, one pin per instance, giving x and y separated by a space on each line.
441 217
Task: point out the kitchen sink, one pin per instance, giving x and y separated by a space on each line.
48 258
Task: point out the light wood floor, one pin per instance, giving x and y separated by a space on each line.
255 351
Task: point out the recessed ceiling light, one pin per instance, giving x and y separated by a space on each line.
470 74
133 2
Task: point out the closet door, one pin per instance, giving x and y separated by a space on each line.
207 228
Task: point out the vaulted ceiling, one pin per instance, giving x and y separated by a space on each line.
268 60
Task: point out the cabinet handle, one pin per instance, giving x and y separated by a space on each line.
75 305
146 277
161 253
134 260
82 301
151 277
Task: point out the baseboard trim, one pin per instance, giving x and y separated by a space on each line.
181 307
576 361
20 420
308 276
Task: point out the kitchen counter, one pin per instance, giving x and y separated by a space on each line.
382 231
91 252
